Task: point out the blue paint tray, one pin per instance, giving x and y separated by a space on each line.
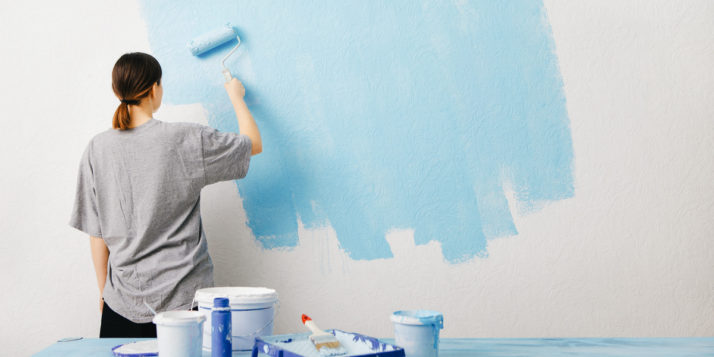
299 345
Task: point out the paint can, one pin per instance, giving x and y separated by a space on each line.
179 333
417 331
221 338
252 313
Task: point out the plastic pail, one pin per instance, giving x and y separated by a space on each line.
179 333
252 313
417 331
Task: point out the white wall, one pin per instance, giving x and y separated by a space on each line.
631 254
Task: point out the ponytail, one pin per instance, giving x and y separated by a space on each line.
121 117
133 76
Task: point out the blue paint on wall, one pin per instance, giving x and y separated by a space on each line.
378 115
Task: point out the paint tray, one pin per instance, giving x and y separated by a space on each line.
299 345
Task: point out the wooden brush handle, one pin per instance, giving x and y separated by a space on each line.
307 321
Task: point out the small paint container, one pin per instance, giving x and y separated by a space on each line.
417 331
180 333
221 339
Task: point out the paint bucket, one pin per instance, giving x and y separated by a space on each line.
179 333
252 313
417 331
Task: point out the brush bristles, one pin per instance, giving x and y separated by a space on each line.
325 340
333 344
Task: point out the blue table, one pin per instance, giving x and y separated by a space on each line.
462 347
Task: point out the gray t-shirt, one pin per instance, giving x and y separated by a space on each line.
140 190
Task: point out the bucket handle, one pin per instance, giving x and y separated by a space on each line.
275 313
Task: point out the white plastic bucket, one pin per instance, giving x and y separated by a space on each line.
417 331
252 313
179 333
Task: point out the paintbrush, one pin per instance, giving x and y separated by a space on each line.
325 342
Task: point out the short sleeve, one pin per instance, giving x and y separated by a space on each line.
85 216
226 155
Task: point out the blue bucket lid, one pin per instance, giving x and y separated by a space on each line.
419 317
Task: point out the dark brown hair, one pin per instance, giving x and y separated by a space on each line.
133 76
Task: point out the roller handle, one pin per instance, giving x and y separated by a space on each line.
227 75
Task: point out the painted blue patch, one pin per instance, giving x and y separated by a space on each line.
382 114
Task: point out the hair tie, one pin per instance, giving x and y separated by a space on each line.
130 101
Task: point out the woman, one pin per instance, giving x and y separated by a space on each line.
138 197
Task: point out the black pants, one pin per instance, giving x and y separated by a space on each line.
115 325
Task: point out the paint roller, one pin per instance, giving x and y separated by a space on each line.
213 39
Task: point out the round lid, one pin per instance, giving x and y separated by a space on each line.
418 317
137 349
236 294
179 317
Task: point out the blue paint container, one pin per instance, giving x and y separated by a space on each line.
417 331
221 328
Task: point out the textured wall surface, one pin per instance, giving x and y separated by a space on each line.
379 115
625 250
